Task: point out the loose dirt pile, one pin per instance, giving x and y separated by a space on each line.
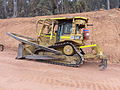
105 32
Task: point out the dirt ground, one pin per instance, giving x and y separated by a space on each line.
33 75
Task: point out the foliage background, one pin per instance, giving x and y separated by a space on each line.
30 8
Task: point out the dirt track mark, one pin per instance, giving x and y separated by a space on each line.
77 84
30 74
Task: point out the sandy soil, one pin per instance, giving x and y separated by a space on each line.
33 75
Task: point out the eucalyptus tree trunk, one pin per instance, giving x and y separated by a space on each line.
118 4
108 4
15 11
5 8
53 5
62 6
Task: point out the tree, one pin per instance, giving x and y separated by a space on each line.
5 8
28 8
53 5
15 11
108 4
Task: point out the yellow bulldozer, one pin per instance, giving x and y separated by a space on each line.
60 41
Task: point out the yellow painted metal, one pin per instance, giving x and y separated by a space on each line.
51 35
60 18
98 49
94 45
64 37
81 18
42 28
47 35
73 27
68 50
90 56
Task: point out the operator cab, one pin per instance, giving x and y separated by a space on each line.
64 28
71 29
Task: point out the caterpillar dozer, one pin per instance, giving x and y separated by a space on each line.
60 41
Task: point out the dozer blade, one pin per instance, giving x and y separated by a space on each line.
26 40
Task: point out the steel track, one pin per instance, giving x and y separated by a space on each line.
78 63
